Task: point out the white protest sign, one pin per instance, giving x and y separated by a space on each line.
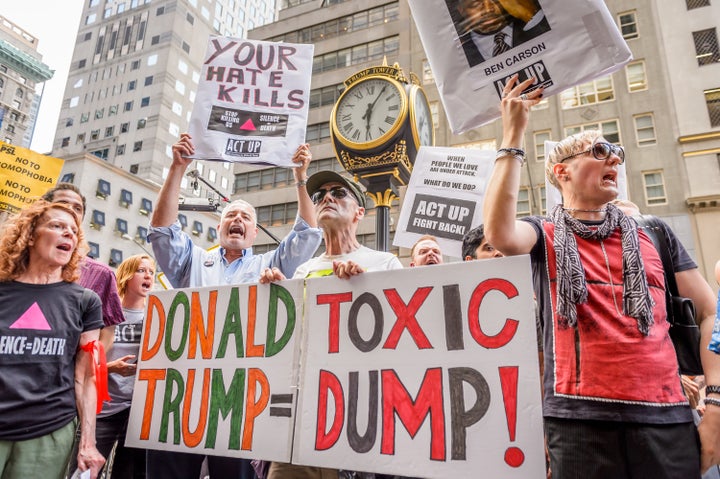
252 101
560 43
425 372
444 196
216 371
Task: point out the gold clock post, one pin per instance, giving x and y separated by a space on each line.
377 126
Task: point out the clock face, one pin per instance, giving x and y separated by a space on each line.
370 111
422 119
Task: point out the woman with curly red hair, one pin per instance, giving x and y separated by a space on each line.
46 323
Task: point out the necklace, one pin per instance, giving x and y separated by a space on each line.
612 286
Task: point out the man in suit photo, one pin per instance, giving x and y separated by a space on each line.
488 28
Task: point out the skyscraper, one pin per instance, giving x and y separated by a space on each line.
21 71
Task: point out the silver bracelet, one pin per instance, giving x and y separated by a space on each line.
300 183
713 401
517 153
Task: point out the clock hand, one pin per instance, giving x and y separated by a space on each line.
368 112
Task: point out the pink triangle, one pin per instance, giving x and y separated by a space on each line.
248 125
33 318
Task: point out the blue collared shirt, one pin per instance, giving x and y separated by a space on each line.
187 265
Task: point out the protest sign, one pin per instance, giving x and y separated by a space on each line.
444 196
252 101
216 371
559 43
25 176
426 372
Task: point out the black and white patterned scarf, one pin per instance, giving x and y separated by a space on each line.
571 286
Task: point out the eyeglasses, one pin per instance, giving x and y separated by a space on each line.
337 192
601 151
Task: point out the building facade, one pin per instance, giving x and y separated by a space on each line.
670 130
133 78
21 72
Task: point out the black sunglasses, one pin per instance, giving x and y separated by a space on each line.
337 192
601 151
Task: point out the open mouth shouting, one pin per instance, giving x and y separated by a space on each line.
610 179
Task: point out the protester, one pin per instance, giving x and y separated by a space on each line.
93 274
136 277
187 265
475 246
339 205
49 327
489 28
613 403
426 250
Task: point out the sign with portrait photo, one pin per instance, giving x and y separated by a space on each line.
475 47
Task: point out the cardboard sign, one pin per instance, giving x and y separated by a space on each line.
559 43
444 196
424 372
216 372
25 176
252 101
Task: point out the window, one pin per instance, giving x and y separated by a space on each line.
197 228
691 4
712 100
654 188
121 226
97 220
148 80
182 219
132 84
155 40
160 11
645 129
706 46
543 199
523 202
94 250
112 110
596 91
628 25
141 123
126 198
190 19
137 146
135 65
80 138
427 73
99 113
186 47
146 206
65 141
69 122
144 102
124 127
141 234
636 76
84 117
109 131
120 150
211 234
116 257
128 106
540 138
134 168
94 134
101 153
179 87
610 130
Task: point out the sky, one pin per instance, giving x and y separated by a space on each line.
54 23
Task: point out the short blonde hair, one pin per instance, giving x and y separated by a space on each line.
420 240
569 146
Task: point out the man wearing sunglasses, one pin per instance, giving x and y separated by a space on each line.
613 403
339 206
188 265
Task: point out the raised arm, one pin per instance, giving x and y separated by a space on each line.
166 209
503 231
303 157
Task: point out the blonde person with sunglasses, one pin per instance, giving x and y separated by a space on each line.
613 402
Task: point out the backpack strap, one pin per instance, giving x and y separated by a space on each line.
652 226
